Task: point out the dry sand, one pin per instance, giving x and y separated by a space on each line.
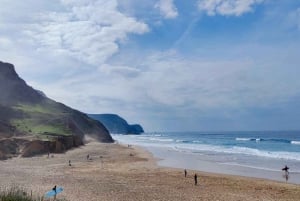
115 172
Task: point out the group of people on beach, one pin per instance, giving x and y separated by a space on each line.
195 177
285 169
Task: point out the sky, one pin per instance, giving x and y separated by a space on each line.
170 65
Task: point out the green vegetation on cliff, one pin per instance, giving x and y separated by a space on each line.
27 115
42 119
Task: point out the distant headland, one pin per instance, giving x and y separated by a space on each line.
116 124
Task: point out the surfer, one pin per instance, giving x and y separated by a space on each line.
286 169
54 189
196 179
185 172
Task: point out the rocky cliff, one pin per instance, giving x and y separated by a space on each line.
116 124
31 123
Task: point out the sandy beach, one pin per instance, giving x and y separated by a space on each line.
116 172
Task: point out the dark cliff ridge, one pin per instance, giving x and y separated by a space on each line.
116 124
14 89
28 118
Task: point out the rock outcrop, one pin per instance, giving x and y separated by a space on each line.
116 124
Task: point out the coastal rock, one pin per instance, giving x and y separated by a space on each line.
116 124
35 147
135 129
59 144
10 147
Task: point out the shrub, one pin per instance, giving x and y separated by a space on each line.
18 194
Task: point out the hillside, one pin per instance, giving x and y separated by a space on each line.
116 124
27 115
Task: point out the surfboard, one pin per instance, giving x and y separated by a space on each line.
52 192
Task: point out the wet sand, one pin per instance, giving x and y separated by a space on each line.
223 164
116 172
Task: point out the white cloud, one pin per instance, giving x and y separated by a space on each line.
227 7
168 80
165 85
122 71
88 31
167 8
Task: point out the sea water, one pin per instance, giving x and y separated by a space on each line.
257 154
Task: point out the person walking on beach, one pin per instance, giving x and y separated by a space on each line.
185 173
196 179
286 169
286 172
88 157
54 189
70 163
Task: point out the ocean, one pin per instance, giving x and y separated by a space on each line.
259 154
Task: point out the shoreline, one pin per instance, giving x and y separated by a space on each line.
198 162
216 161
117 172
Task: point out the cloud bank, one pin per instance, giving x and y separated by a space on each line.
86 30
227 7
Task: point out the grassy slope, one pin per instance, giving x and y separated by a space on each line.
42 119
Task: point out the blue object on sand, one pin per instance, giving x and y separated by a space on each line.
52 192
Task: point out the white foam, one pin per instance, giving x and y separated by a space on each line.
151 141
243 139
295 142
161 139
248 139
239 150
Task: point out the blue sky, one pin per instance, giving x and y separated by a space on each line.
170 65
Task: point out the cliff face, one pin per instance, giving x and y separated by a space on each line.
116 124
136 129
27 112
14 89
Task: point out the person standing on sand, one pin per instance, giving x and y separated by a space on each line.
185 173
54 189
286 171
196 179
